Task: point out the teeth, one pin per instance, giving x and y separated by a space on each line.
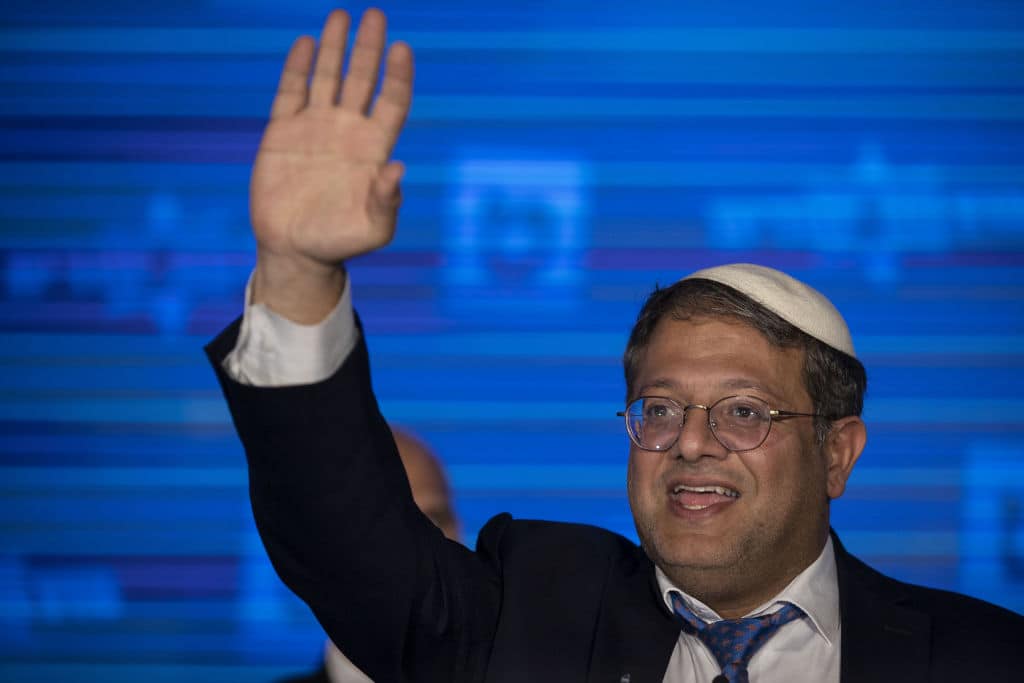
720 490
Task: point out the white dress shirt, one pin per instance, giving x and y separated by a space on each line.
274 351
340 668
802 650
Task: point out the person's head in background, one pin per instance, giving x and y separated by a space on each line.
427 480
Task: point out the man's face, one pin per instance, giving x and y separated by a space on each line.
726 526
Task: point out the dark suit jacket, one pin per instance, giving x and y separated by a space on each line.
537 601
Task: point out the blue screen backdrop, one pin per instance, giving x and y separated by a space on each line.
563 158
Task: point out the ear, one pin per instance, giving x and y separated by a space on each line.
843 446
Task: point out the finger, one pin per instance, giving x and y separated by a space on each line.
327 74
364 62
293 89
392 105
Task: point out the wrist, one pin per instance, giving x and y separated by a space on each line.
303 292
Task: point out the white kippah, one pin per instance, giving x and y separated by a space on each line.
795 302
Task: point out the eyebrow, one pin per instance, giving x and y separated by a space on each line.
658 384
743 383
732 384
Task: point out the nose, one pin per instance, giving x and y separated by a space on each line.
696 440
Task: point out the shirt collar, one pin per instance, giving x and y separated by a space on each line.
815 590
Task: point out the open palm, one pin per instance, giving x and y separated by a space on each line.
323 188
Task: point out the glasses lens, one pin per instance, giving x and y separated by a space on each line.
740 422
653 423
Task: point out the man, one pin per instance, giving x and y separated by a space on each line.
432 496
743 403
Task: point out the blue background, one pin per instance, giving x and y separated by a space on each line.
564 156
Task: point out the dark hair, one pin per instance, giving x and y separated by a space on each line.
835 381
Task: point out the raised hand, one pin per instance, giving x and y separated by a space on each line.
323 186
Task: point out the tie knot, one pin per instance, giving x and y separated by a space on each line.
733 642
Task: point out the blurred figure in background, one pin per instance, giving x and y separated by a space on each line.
432 496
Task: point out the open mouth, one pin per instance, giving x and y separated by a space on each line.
697 498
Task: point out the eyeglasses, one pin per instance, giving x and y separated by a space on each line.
740 423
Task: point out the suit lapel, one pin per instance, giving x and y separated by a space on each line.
635 633
881 640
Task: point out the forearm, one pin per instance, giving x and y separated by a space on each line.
336 515
313 452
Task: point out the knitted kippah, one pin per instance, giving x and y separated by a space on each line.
795 302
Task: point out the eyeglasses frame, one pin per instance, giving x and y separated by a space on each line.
773 415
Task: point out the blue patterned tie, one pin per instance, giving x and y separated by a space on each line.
734 641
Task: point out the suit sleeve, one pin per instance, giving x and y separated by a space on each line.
336 516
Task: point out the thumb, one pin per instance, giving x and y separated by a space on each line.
385 193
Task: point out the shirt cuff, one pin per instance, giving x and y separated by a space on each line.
273 351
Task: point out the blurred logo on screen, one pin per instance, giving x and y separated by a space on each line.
515 238
174 268
874 208
992 554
